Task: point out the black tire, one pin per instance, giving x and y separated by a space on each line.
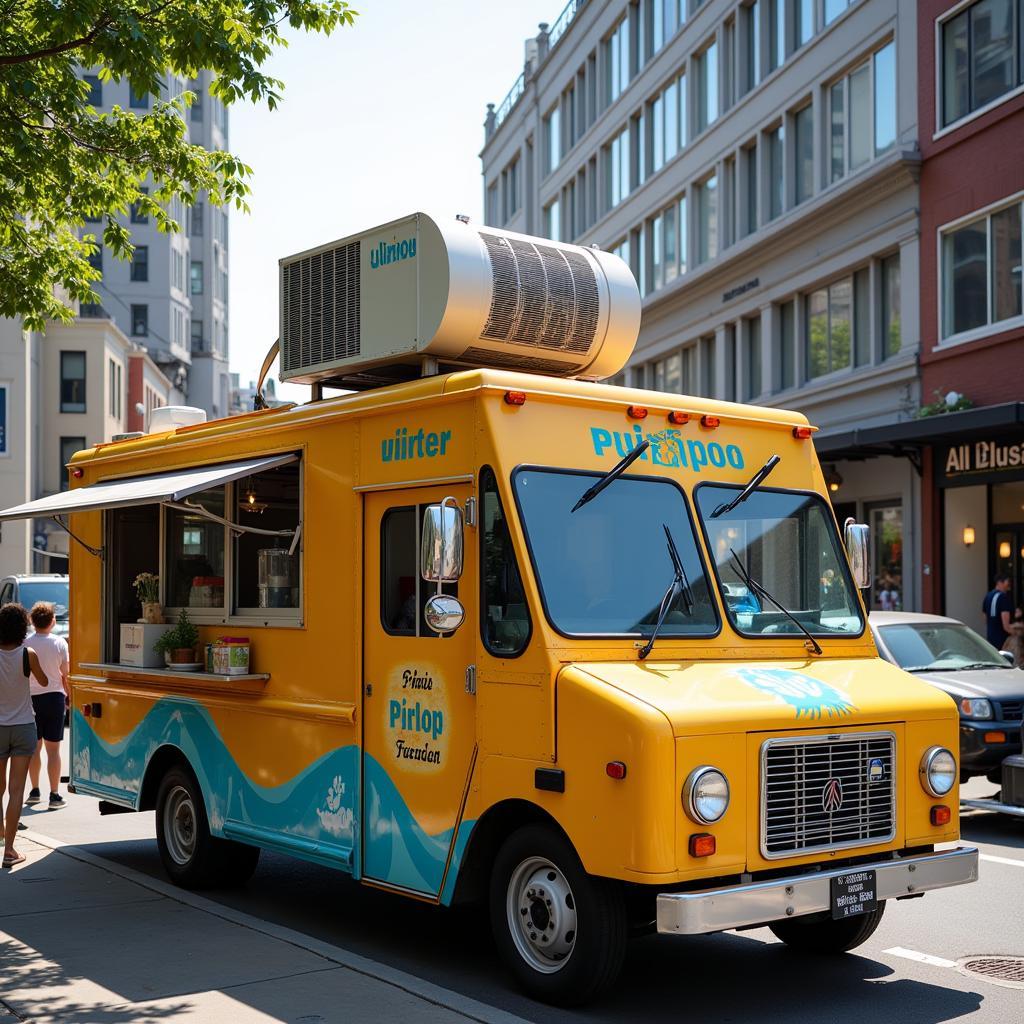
820 934
192 857
583 918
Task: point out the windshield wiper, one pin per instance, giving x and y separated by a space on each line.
679 587
614 473
755 482
764 595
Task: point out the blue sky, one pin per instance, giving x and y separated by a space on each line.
381 119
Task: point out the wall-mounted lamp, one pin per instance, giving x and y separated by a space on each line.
833 481
969 537
1004 549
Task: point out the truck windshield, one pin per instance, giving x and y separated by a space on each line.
788 543
604 570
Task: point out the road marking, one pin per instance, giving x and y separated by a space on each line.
921 958
1001 860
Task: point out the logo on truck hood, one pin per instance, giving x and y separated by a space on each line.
811 697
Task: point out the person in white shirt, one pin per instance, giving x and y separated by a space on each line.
48 702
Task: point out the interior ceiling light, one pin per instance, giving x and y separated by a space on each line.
249 502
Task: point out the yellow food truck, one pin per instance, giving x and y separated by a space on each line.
595 655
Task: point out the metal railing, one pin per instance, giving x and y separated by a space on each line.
510 100
569 12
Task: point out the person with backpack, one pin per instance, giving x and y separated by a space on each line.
17 719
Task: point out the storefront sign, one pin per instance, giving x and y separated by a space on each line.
980 461
740 289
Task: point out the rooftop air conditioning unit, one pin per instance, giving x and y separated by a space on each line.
372 308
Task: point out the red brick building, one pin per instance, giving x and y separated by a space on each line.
971 118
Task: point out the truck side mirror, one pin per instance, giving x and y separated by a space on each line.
856 536
441 546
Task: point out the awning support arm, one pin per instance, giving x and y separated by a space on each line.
98 552
235 528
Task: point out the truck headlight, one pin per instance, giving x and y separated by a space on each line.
706 795
974 707
938 771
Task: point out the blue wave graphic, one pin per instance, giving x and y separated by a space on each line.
314 815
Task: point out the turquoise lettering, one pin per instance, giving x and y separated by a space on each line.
735 456
446 436
716 454
601 438
431 444
698 456
394 712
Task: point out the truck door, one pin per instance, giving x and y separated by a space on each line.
419 723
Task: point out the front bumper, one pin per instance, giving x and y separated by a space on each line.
979 756
740 906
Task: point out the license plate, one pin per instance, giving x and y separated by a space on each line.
853 894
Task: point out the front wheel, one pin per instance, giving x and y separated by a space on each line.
816 934
560 931
192 857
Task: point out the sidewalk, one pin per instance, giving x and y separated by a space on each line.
84 940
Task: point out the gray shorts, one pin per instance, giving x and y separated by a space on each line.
17 740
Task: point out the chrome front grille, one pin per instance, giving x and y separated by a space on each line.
827 793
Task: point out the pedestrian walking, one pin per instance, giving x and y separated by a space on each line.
17 719
49 702
998 609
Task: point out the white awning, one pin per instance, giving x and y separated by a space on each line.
144 490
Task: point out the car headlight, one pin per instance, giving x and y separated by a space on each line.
706 794
938 771
974 707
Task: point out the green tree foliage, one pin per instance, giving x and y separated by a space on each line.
61 161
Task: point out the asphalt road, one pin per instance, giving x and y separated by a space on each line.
906 972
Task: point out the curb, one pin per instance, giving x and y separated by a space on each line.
465 1006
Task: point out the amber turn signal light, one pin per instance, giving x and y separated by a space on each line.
636 412
515 398
615 769
995 737
702 844
710 422
802 433
941 815
679 418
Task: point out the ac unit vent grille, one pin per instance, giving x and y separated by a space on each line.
320 302
486 357
543 297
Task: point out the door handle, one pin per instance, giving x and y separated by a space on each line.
368 689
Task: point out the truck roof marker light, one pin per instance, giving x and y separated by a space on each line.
710 422
679 418
515 398
941 815
802 433
702 844
615 769
78 473
636 412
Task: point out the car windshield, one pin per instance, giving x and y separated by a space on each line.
938 647
786 542
55 591
604 569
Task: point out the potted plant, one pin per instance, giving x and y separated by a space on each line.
147 590
178 645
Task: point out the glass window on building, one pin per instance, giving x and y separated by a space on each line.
787 345
752 357
890 271
553 220
621 249
707 86
95 257
137 100
980 56
981 271
862 317
139 216
750 29
803 154
776 172
140 320
707 366
195 273
707 219
640 157
68 447
196 336
683 226
886 522
510 191
750 189
862 114
830 328
140 263
803 11
95 97
196 110
198 226
617 61
72 382
492 212
668 374
617 169
552 135
727 228
776 34
664 239
833 8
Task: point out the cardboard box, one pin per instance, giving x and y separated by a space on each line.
137 639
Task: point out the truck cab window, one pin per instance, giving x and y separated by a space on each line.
403 594
505 618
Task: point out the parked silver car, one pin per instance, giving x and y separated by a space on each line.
25 589
987 688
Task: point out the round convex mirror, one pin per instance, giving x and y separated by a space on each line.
444 614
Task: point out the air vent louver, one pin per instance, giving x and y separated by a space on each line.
543 296
320 307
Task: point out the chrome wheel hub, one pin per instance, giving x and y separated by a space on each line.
180 825
541 913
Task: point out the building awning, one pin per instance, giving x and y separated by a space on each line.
144 490
910 436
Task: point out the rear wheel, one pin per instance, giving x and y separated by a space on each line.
192 857
817 934
560 931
